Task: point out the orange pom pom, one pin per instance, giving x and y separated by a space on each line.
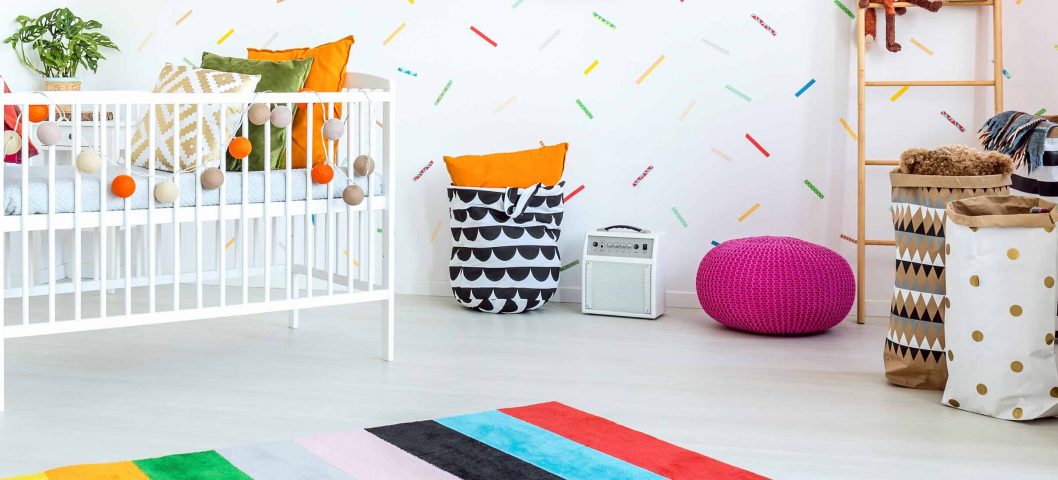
38 113
322 173
123 186
240 147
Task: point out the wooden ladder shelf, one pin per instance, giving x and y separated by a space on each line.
861 141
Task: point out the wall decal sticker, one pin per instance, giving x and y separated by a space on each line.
737 92
716 47
720 154
845 9
591 67
921 46
899 93
953 122
642 176
650 70
603 20
847 238
814 189
270 39
848 129
755 144
184 17
226 36
574 192
505 104
805 88
443 92
687 110
569 265
482 35
421 172
679 217
394 34
549 39
586 111
749 212
765 25
408 72
144 42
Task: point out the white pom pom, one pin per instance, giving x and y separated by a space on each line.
333 129
88 162
12 142
259 113
281 116
49 133
166 192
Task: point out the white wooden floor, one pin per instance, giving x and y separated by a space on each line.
814 407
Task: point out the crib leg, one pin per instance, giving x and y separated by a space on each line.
112 256
294 318
387 328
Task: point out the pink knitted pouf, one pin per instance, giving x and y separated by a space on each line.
775 286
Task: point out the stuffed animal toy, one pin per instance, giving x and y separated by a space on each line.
954 160
891 11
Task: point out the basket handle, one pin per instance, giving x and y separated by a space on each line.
624 227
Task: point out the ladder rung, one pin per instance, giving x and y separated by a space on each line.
930 83
882 162
880 243
947 3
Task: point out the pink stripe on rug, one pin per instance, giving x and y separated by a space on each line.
363 455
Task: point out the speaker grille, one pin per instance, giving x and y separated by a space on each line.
617 287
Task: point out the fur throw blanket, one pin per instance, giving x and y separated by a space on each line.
954 160
1017 134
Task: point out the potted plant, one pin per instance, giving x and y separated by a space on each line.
64 43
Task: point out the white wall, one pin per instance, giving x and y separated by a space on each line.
634 126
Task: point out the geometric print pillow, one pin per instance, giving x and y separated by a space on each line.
184 79
505 246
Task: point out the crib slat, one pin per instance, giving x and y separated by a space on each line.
128 228
389 145
267 221
370 259
3 265
309 263
77 192
350 251
244 241
177 167
51 225
222 226
198 207
288 182
151 232
100 113
332 159
25 214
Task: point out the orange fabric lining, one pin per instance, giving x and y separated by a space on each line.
514 169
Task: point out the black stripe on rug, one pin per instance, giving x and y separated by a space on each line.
456 453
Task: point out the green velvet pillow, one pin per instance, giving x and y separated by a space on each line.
288 76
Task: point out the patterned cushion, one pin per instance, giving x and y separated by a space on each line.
183 79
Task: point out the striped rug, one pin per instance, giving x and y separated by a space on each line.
542 441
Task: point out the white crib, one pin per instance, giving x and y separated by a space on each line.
285 244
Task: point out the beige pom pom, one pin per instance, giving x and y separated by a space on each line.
166 192
212 178
12 142
353 195
49 133
259 114
363 165
281 116
88 162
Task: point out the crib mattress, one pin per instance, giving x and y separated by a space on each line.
64 189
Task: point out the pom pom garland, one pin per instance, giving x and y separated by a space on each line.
38 113
123 186
212 178
353 195
281 116
363 165
88 161
240 147
49 133
259 114
166 192
12 142
333 129
322 173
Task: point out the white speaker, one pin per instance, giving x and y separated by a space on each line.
622 274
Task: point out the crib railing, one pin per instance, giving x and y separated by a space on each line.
166 263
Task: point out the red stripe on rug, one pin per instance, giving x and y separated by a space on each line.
621 442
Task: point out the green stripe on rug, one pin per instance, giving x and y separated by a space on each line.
208 465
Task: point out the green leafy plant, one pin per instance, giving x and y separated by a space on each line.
63 41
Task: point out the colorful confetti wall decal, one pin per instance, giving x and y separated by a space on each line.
814 189
505 104
899 93
394 34
847 238
184 17
190 63
591 67
687 110
642 176
569 265
443 92
1042 111
749 212
226 36
845 9
716 47
848 129
230 243
549 39
737 92
765 25
144 42
650 70
755 144
407 72
586 111
953 122
805 88
436 229
715 243
421 172
679 217
922 47
574 192
518 2
720 154
270 39
603 20
482 35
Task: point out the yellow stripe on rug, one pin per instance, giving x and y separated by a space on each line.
99 471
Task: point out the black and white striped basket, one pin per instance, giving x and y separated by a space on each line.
1043 180
505 246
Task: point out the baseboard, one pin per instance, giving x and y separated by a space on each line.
673 298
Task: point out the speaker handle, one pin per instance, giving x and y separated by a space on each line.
624 227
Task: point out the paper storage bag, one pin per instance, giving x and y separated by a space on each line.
1001 270
914 346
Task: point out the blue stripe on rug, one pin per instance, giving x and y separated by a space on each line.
546 450
281 461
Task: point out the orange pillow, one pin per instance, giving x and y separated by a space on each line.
326 75
515 169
